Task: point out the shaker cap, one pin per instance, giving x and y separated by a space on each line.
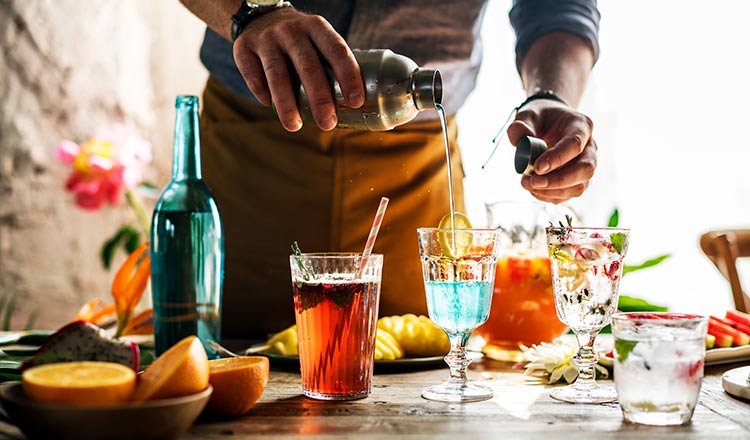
528 151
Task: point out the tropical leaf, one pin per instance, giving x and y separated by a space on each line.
614 219
632 304
628 268
127 236
10 307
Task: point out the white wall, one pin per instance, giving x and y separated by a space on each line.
69 68
668 97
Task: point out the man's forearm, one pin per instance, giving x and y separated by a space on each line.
217 14
557 61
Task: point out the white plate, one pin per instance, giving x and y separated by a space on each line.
718 356
735 383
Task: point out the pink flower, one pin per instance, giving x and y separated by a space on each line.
105 166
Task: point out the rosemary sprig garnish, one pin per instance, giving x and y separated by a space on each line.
306 274
562 229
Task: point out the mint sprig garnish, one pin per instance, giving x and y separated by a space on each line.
618 241
623 348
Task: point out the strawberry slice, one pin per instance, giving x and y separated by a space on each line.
587 254
694 372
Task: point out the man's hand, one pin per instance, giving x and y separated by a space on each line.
289 39
565 169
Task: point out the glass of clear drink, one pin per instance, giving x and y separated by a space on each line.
336 309
658 365
586 269
458 266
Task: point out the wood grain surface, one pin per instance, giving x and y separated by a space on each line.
519 410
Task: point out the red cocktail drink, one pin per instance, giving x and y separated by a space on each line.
336 320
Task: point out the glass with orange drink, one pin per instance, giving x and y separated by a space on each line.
523 305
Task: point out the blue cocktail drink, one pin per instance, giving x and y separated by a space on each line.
458 266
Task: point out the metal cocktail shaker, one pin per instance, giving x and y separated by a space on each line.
396 90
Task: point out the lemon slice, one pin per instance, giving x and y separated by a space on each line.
454 243
462 222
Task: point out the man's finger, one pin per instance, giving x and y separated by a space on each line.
519 128
575 136
251 69
279 83
314 80
581 169
341 59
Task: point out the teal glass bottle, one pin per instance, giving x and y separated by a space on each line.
187 245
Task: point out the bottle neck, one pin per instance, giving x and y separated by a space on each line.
187 146
426 88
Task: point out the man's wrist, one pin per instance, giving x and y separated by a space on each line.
249 12
543 94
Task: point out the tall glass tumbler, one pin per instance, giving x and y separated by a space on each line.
658 365
336 311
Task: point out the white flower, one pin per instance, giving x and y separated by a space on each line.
554 361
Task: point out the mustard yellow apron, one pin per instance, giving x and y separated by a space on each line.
320 189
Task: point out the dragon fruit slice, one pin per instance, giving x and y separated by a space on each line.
83 341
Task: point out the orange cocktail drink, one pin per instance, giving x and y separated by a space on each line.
336 311
523 305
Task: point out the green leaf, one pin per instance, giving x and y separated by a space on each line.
147 356
10 307
618 241
632 304
149 189
623 348
7 377
128 236
31 320
133 241
626 269
614 219
31 337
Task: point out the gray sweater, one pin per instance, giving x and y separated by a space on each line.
436 34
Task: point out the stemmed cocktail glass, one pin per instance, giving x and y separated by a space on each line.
586 269
458 266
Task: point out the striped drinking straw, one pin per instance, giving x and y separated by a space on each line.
373 235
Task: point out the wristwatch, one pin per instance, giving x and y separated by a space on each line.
252 9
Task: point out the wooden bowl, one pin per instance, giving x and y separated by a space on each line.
155 419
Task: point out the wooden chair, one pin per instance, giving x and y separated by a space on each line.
723 248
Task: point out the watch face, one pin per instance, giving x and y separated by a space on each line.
262 2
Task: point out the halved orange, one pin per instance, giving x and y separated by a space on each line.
80 383
179 371
238 383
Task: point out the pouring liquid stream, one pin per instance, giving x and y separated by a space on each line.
441 115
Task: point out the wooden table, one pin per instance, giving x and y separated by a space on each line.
519 410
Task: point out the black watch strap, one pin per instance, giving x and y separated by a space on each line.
542 94
246 13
